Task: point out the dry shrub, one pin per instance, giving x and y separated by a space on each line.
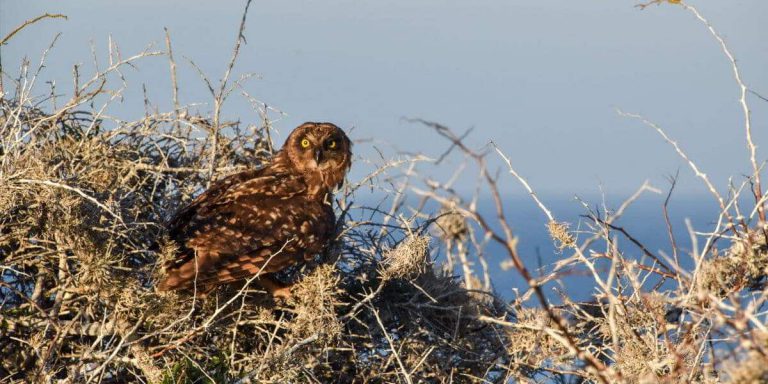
315 299
82 208
452 224
631 339
83 201
561 235
743 266
751 370
408 259
530 346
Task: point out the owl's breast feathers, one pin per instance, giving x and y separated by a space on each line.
254 222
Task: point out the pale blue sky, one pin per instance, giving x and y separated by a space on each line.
541 78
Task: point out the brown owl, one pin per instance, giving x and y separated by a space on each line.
261 221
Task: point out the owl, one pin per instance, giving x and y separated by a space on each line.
259 222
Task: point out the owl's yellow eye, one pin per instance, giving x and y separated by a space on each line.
332 144
305 143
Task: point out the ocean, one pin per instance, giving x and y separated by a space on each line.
643 220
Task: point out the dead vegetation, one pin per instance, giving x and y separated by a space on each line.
403 295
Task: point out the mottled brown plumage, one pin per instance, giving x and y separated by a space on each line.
262 221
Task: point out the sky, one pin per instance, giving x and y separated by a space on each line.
542 79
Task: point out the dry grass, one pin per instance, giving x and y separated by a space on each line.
83 199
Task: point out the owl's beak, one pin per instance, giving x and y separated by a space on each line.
318 155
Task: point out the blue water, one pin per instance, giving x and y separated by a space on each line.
643 220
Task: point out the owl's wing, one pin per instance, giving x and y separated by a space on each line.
243 225
185 219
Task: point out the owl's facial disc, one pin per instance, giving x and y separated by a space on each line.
322 149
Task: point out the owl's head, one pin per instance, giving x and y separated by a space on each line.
320 148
